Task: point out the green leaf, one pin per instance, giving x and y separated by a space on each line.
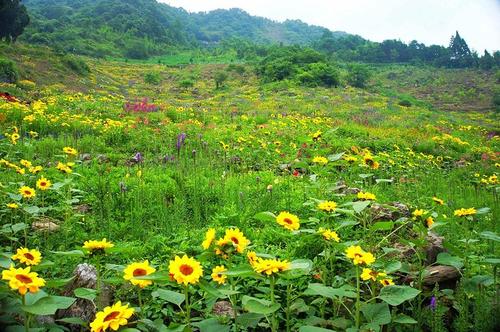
309 328
330 292
212 325
392 266
71 253
490 236
483 210
335 157
73 320
259 306
359 206
56 283
85 293
32 209
298 268
403 319
249 319
377 313
169 296
382 226
445 258
493 261
395 295
49 305
156 276
19 227
265 216
241 271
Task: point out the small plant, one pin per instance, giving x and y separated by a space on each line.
152 78
76 64
8 71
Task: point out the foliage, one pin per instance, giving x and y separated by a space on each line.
77 64
153 78
13 19
358 75
8 71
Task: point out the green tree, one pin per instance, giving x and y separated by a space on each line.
486 62
358 75
13 19
220 77
460 54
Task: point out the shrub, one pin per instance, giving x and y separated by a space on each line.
220 77
8 71
404 103
186 83
239 69
358 75
26 85
76 64
318 74
152 78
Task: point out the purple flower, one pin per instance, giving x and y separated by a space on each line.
138 157
433 303
180 141
168 158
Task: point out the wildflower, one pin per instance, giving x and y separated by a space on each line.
359 256
329 234
27 192
138 270
13 205
288 220
43 184
369 274
14 137
35 169
218 276
65 168
185 270
252 257
23 280
465 212
320 160
25 163
418 213
28 257
387 282
438 200
209 238
350 159
366 196
370 162
328 206
94 245
433 303
111 317
236 237
429 221
70 151
270 266
316 136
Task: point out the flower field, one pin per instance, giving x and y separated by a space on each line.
249 208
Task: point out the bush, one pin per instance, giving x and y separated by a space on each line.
186 83
8 71
358 75
26 85
318 74
76 64
405 103
152 78
220 77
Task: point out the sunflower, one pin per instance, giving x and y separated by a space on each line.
369 274
43 184
370 162
270 266
96 246
387 282
35 169
252 257
438 201
27 192
138 270
359 256
320 160
429 221
465 212
23 280
328 206
350 159
209 238
13 205
418 213
111 317
316 136
218 276
366 196
25 163
185 270
288 220
328 234
65 168
70 151
236 237
28 257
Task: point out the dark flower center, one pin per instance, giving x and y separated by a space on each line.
235 240
24 278
139 272
111 316
186 269
29 256
288 221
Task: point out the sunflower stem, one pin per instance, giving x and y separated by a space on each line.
272 282
358 303
140 302
188 308
27 318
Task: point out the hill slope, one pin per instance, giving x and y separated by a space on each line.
137 28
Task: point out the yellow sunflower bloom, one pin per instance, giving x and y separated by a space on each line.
429 221
185 270
95 245
288 220
111 317
28 257
12 205
35 169
236 237
70 151
270 266
387 282
465 212
27 192
370 162
25 163
438 201
320 160
43 184
218 276
418 213
23 280
138 270
252 257
366 196
328 206
328 234
209 238
359 256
